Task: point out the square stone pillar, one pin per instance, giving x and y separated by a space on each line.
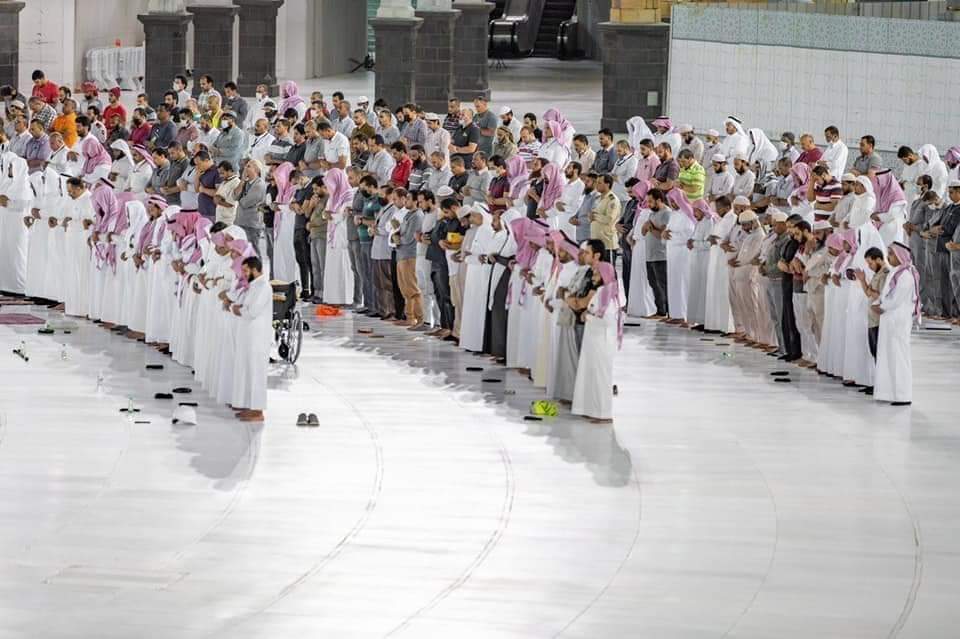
635 70
212 42
435 55
472 35
395 78
165 51
10 42
258 45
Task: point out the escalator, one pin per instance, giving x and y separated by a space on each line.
555 14
542 28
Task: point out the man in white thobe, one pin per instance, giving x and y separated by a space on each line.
899 308
678 231
736 141
569 202
253 342
835 155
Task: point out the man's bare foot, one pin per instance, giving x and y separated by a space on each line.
595 420
250 416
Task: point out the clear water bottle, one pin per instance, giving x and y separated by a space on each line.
63 352
726 355
100 381
23 349
129 405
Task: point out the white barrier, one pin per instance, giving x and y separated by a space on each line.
109 67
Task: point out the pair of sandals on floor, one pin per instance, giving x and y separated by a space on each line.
310 421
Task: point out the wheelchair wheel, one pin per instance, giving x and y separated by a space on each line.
295 337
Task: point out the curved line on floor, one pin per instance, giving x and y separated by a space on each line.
911 598
620 566
345 540
503 520
773 550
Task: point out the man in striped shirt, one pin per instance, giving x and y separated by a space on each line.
827 191
529 146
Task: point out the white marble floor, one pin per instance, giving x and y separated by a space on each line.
720 503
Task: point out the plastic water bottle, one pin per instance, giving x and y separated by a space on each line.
726 355
100 381
63 352
129 405
23 349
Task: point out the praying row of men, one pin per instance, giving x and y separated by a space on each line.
514 238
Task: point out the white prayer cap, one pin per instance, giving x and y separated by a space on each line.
713 132
718 157
747 216
740 156
185 415
741 200
431 117
686 128
363 100
954 184
821 225
778 216
848 177
505 110
444 191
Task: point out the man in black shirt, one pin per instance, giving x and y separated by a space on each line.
449 222
625 229
301 236
535 189
593 252
465 140
460 176
296 153
788 322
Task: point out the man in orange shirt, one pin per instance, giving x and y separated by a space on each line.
66 123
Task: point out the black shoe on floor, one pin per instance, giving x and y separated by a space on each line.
900 403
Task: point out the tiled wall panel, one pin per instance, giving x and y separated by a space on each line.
900 98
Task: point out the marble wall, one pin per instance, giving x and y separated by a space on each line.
801 72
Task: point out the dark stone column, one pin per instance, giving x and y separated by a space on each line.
395 78
10 42
472 33
435 55
258 45
165 51
635 69
212 42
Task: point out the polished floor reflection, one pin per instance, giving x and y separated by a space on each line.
719 504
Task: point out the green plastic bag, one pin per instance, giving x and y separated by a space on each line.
543 408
